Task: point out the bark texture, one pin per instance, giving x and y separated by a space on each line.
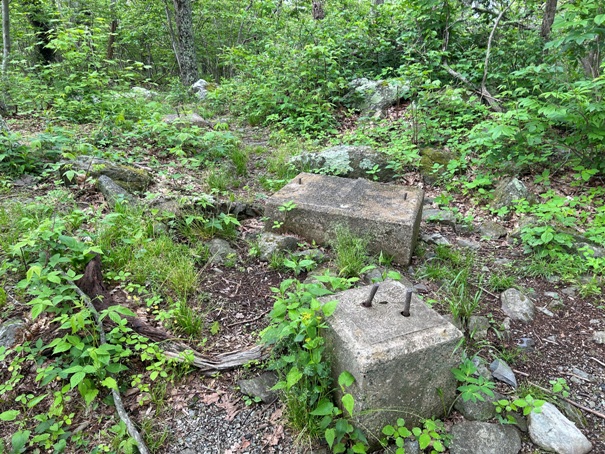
6 36
550 9
186 59
318 10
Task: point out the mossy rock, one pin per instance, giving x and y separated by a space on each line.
130 178
430 157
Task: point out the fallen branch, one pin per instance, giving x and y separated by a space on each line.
117 400
571 402
220 362
493 102
600 362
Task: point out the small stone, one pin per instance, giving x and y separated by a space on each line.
526 343
545 311
8 332
580 373
421 288
260 387
503 261
553 295
463 242
113 192
478 326
599 337
478 410
492 230
552 431
437 216
434 238
517 306
270 243
569 291
220 250
502 371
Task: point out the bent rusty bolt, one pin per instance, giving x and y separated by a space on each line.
407 303
368 302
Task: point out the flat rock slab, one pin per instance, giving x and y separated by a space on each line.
313 206
401 364
474 437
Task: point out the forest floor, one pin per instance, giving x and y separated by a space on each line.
207 414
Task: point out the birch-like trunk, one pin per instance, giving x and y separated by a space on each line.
6 36
186 45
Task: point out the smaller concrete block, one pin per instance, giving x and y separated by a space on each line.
389 215
402 365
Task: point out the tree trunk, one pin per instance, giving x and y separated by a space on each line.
186 46
6 36
549 17
113 28
318 10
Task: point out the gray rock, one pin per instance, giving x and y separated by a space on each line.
374 275
347 161
144 92
439 216
479 410
492 230
510 190
430 157
200 88
553 295
463 242
552 431
526 343
114 193
599 337
474 437
517 306
8 332
573 413
502 371
220 250
410 446
434 238
181 121
375 96
128 177
478 326
313 254
546 311
569 291
584 249
270 243
260 387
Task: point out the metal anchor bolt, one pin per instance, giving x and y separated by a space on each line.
368 302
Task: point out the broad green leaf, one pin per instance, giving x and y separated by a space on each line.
325 407
346 379
19 440
9 415
35 401
359 448
90 395
293 377
110 383
329 308
35 269
424 440
76 378
330 436
348 402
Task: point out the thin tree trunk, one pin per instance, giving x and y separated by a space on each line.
318 10
113 28
186 42
549 17
6 36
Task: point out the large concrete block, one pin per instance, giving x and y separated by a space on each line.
402 365
389 215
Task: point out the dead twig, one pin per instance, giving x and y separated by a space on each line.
571 402
250 320
600 362
524 374
117 400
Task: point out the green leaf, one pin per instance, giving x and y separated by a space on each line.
35 401
54 278
110 383
599 19
424 440
293 377
325 407
329 308
76 378
359 448
19 440
388 430
438 446
330 436
90 395
348 402
346 379
9 415
35 269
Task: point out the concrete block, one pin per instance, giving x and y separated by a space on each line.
402 365
389 215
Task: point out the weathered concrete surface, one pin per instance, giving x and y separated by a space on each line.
388 215
401 364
